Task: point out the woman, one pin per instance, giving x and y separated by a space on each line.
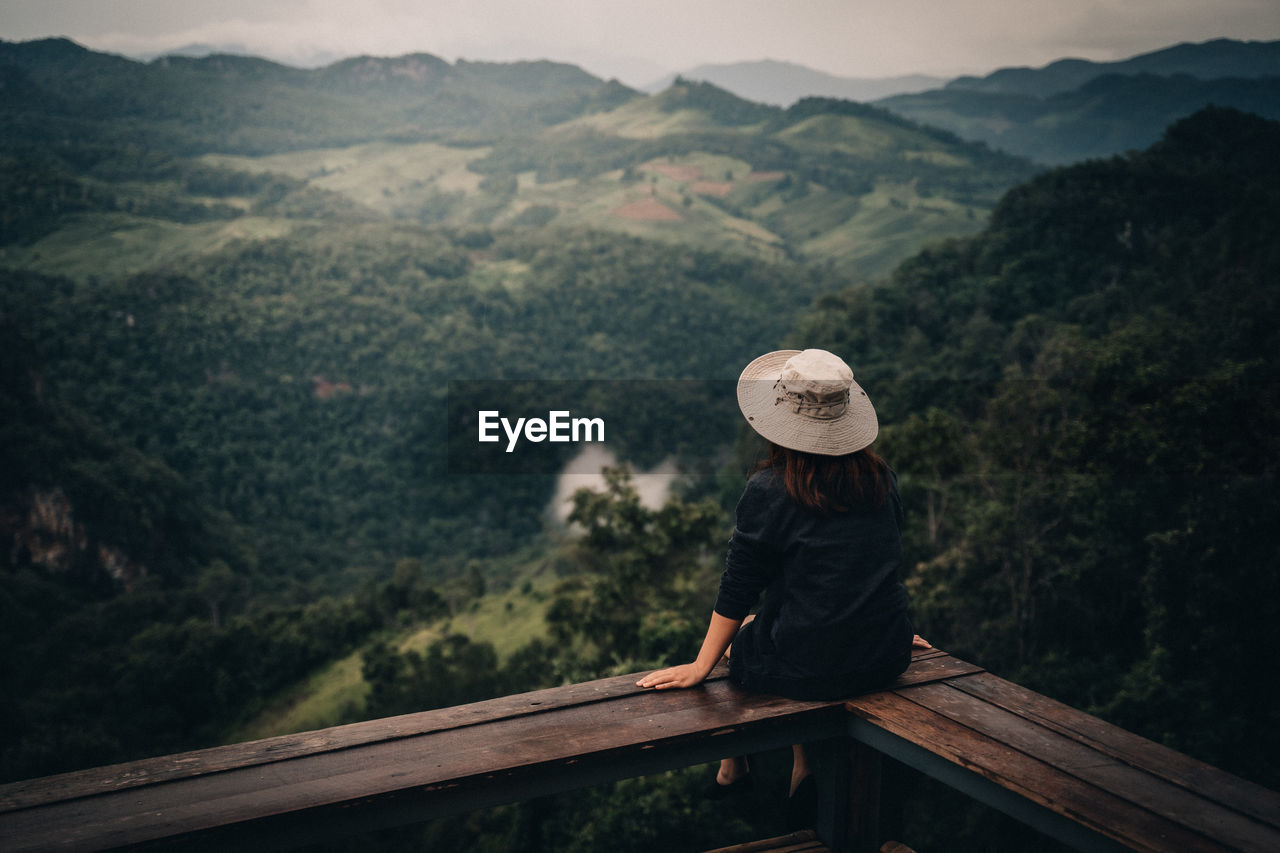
817 529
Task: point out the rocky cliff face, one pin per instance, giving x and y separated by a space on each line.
43 531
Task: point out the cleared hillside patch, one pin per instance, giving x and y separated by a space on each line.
382 176
119 244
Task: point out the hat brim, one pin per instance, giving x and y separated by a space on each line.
856 429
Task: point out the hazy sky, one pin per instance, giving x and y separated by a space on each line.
639 40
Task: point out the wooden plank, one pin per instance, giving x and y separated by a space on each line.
220 758
130 803
804 841
427 762
1026 776
1126 781
934 668
930 664
1206 780
448 747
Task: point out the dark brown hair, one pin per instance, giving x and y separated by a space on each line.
826 484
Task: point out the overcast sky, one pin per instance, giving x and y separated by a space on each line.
639 40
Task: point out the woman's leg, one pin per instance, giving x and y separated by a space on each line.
802 804
799 766
732 769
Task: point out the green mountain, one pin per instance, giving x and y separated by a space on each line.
1073 109
62 98
1106 116
1211 60
417 139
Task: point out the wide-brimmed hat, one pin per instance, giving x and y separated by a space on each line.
807 400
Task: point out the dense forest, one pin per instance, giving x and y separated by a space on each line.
1084 409
225 426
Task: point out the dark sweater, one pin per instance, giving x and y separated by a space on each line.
834 620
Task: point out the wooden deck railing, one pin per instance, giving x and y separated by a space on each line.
1073 776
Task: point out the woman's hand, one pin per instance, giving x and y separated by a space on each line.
918 642
720 634
685 675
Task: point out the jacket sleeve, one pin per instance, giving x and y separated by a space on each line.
752 561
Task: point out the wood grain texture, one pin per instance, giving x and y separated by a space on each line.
447 749
1204 779
1113 782
804 841
1122 786
927 665
1134 784
1041 783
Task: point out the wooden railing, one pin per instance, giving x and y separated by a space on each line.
1070 775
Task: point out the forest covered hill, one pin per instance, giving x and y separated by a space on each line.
227 363
1073 109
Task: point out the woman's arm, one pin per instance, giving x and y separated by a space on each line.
720 634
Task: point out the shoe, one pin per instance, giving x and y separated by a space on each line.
741 785
802 805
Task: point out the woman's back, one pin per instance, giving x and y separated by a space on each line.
834 615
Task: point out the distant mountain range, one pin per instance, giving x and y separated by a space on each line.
300 56
57 94
1211 60
416 138
1074 109
1068 110
783 83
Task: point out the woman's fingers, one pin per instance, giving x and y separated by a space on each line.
676 676
918 642
653 679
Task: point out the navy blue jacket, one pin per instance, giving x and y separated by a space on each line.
834 619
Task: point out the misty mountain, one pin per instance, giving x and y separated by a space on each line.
61 95
769 81
300 57
1205 61
1072 110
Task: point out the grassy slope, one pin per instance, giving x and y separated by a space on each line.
336 692
382 176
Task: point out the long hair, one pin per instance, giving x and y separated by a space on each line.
827 484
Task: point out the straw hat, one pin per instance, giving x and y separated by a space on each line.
807 400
